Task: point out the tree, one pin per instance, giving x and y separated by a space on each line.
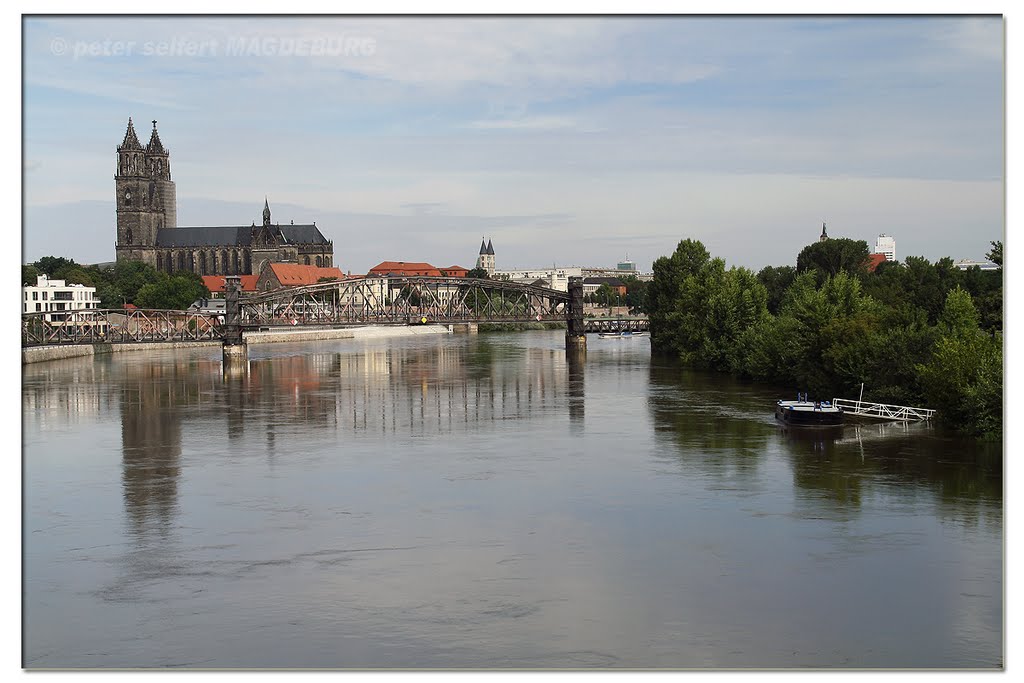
29 275
605 295
995 255
478 273
830 257
175 292
699 310
665 290
130 276
963 379
636 294
776 280
51 265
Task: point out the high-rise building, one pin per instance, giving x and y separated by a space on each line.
886 245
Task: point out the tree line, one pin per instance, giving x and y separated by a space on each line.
914 333
126 282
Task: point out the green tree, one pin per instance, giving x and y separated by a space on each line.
478 273
130 276
29 275
700 311
175 292
963 379
776 280
830 257
959 317
995 255
826 318
664 293
51 265
605 295
636 294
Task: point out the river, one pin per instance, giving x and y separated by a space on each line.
477 501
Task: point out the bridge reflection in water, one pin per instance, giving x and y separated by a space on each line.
442 389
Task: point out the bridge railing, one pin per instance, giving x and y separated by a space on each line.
93 326
882 411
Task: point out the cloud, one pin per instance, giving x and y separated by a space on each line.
526 123
612 128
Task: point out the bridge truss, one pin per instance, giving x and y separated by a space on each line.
94 326
404 300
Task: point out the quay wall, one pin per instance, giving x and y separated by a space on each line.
40 354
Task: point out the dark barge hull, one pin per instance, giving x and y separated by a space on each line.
809 418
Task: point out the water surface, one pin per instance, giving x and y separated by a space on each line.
481 502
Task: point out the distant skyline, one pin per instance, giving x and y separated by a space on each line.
573 141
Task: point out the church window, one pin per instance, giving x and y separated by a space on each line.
181 261
159 261
202 263
128 198
307 260
319 262
128 236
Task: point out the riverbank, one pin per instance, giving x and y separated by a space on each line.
42 354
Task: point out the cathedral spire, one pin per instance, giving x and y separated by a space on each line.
131 140
483 246
154 146
266 211
824 235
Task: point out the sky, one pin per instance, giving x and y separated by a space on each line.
565 141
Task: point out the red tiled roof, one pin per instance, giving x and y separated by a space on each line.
295 275
874 260
215 283
404 268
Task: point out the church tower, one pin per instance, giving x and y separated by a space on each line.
145 195
158 163
486 258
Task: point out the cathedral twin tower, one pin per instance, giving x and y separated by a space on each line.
147 227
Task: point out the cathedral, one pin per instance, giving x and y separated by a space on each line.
147 226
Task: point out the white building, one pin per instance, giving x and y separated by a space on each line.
966 264
886 245
555 278
57 297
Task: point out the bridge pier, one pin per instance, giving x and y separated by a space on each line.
236 353
575 333
236 360
465 328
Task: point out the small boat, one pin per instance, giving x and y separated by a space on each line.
803 413
620 335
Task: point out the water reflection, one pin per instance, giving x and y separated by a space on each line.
379 390
705 424
488 501
576 361
717 425
151 445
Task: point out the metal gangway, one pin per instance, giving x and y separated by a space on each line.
882 411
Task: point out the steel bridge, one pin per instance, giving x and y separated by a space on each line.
349 302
